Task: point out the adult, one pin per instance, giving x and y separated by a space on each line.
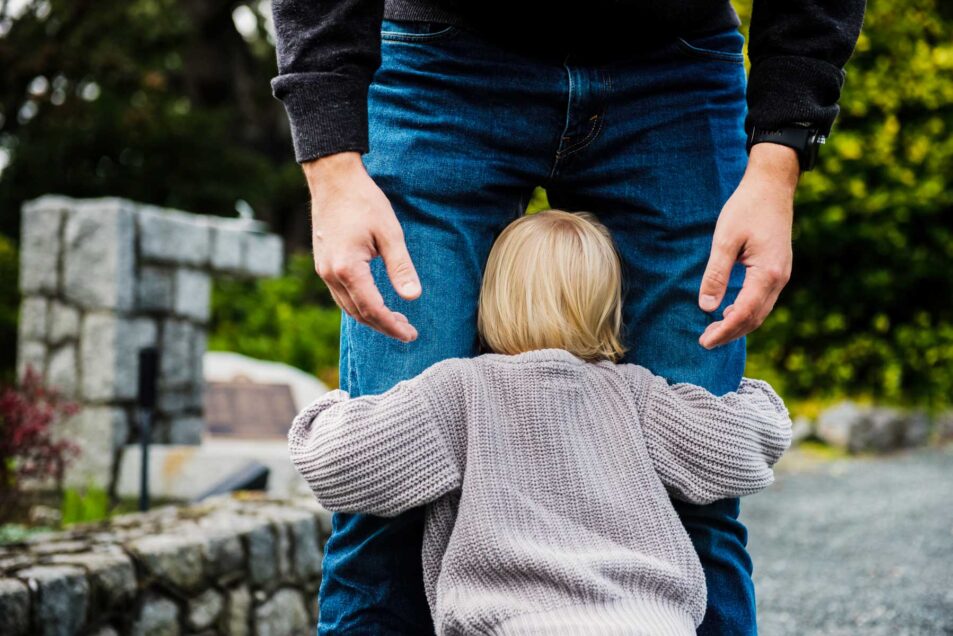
423 127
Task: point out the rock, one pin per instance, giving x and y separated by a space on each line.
916 429
61 372
41 515
284 613
170 236
60 601
262 553
111 574
30 355
193 289
176 365
176 560
801 429
109 355
40 244
238 612
14 608
159 616
859 429
227 248
263 254
33 314
204 609
224 555
98 431
99 254
302 528
186 429
944 425
156 290
63 322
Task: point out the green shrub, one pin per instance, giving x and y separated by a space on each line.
290 319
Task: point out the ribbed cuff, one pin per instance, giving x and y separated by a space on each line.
327 111
788 89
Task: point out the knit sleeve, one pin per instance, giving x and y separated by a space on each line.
707 448
380 454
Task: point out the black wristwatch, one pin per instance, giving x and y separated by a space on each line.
805 142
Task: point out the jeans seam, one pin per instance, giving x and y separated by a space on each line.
552 173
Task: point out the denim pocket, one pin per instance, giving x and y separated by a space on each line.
414 31
724 46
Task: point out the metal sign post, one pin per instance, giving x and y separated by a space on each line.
148 379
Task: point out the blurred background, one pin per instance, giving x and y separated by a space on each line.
167 102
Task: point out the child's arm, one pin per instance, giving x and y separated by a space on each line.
381 454
707 448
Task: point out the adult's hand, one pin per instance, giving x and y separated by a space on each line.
754 228
352 223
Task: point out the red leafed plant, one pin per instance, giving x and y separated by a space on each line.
28 448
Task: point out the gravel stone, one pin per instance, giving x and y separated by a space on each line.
856 546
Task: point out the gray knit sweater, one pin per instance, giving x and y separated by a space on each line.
547 481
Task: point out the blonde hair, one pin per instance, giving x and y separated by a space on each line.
553 280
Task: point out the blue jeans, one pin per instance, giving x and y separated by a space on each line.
461 131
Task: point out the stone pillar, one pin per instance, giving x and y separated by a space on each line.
102 278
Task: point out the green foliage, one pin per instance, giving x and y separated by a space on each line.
291 319
160 101
869 309
91 504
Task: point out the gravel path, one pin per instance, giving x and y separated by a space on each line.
856 547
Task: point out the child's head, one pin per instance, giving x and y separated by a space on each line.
553 280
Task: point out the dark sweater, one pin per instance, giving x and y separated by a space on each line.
328 51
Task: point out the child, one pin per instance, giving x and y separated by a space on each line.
546 468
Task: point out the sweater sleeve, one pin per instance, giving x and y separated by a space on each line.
707 448
381 454
328 51
798 49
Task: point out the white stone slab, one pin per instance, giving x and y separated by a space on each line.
184 471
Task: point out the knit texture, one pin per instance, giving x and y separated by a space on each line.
547 482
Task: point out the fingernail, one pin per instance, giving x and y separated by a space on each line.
410 287
709 302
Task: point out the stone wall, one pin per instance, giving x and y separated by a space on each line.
102 278
232 565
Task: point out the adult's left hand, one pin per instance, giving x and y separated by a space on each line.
754 228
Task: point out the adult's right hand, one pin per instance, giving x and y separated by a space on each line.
352 223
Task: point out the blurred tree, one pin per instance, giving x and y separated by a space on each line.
869 309
161 101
